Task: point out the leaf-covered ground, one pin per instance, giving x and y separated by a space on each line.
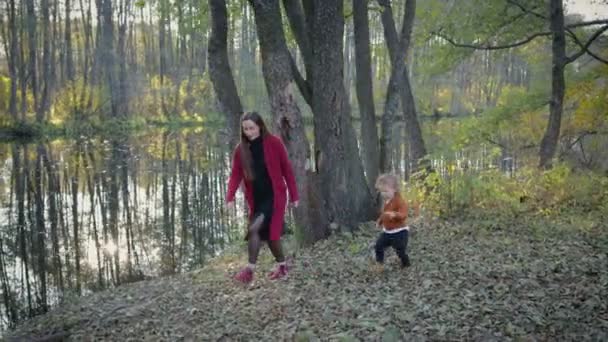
466 283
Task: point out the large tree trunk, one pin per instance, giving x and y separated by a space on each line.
548 144
365 93
287 117
342 182
219 69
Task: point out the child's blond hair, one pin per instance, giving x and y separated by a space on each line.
389 180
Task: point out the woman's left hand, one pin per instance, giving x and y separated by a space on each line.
295 204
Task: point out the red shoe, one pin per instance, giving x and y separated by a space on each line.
245 276
279 273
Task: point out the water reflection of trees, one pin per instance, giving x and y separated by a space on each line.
90 214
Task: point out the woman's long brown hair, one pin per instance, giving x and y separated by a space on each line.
246 159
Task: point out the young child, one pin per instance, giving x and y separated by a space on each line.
392 220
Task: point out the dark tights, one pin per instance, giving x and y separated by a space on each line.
255 243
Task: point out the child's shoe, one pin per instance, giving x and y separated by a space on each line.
378 268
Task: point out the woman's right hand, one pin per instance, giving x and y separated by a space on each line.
230 205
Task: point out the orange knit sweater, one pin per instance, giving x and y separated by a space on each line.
399 207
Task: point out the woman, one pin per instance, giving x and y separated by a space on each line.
260 160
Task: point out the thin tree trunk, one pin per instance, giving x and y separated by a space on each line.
124 172
75 183
54 191
46 62
96 186
7 293
412 125
40 228
163 22
186 221
300 16
20 182
113 207
13 56
399 86
122 98
106 55
32 43
69 59
166 204
365 93
220 71
391 103
548 144
88 37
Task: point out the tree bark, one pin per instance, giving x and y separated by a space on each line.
391 103
40 228
550 139
13 56
88 37
20 185
220 71
300 18
343 186
69 59
54 192
31 30
399 87
75 184
287 117
107 52
365 93
122 93
46 62
163 23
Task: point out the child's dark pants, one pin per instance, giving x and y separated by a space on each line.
396 240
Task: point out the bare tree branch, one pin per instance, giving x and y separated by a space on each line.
585 46
569 26
492 47
588 23
526 10
303 85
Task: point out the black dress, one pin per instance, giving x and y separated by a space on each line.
262 187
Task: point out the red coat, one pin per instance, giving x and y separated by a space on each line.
281 176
